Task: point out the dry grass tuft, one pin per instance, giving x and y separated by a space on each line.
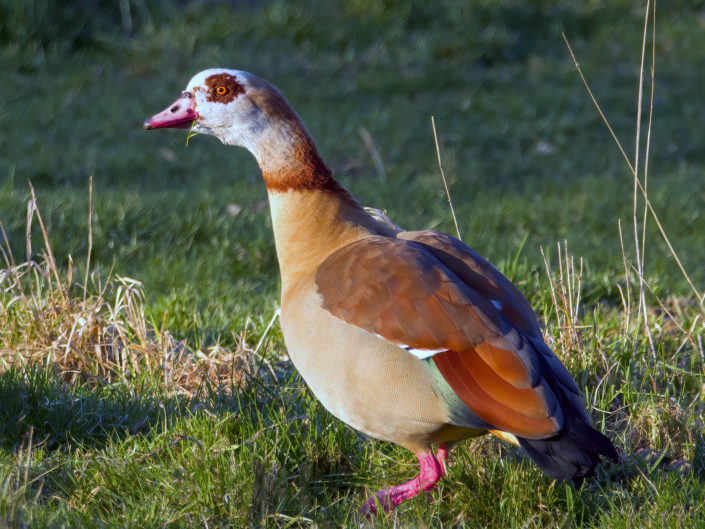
565 285
97 329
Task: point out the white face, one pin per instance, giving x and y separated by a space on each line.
217 102
224 109
239 109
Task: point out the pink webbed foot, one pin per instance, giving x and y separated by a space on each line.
430 472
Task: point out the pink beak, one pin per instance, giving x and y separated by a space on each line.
179 115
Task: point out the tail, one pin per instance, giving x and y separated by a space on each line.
573 453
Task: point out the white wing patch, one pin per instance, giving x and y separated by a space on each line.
418 353
422 353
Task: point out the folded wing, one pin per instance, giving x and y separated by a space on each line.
419 292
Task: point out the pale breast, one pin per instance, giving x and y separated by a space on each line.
367 382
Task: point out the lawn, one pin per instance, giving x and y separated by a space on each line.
161 396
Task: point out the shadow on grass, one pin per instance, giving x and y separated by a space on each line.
36 401
237 453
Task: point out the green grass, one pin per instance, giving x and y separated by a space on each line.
529 164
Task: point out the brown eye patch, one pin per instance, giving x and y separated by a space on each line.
223 88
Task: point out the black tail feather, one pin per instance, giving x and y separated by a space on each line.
573 453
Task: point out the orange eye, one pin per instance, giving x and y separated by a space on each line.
221 90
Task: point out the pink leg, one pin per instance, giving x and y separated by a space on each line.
442 456
430 471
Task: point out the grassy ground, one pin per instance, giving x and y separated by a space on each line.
169 402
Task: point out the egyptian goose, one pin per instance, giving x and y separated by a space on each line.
407 336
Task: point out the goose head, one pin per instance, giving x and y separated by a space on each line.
240 109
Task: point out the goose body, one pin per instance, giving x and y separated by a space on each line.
409 337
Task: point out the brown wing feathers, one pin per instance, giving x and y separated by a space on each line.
404 294
426 290
519 411
479 273
388 289
505 363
